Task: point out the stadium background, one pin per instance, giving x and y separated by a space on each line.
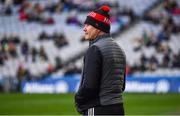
41 51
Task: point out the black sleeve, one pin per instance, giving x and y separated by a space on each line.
89 87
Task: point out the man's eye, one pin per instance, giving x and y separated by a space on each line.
86 24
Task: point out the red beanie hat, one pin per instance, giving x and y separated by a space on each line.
100 19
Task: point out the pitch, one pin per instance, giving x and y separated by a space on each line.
63 104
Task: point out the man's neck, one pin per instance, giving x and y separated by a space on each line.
106 35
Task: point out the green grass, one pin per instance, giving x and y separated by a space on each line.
152 104
155 104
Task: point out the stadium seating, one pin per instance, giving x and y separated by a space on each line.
127 30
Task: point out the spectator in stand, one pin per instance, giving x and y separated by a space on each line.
55 7
170 6
50 69
12 49
18 2
42 54
143 63
24 9
34 54
153 63
15 39
60 41
166 60
163 35
4 40
146 38
176 60
6 8
128 70
163 48
25 49
1 56
43 36
20 74
59 64
34 13
72 19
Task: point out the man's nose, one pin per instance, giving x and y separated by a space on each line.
84 29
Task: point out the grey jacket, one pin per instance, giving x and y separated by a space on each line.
103 76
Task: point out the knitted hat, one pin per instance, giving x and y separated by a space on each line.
100 19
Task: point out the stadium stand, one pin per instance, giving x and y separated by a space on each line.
39 38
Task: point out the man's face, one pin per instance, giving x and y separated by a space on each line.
90 32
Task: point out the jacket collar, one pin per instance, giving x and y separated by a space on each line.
98 38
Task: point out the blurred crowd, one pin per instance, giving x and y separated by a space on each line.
13 47
167 16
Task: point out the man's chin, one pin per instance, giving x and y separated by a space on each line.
86 38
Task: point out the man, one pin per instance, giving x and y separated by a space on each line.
103 76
